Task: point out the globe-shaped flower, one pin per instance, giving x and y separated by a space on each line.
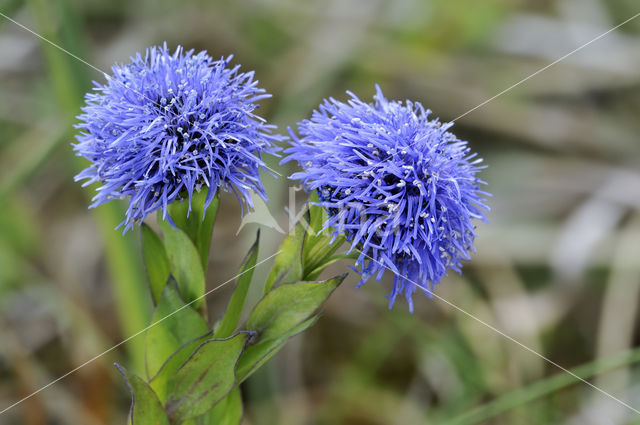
400 187
168 124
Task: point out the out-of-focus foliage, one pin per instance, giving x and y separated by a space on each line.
556 267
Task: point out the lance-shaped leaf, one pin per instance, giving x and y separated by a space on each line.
288 305
256 355
185 263
146 409
281 314
289 258
227 411
236 303
155 260
205 378
160 382
198 225
173 324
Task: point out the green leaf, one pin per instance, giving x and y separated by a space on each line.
281 314
173 324
198 225
205 378
146 409
236 303
289 258
160 382
227 411
256 355
156 261
185 263
288 305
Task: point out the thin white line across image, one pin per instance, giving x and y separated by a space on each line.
435 295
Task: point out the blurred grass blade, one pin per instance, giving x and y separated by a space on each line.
57 21
543 388
127 274
156 261
26 155
236 303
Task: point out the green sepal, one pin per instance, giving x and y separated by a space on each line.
173 324
236 303
199 224
205 378
185 263
146 408
156 261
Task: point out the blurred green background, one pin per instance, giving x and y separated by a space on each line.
557 267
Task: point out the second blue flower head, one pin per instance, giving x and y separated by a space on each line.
400 186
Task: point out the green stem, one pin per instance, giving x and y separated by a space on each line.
543 388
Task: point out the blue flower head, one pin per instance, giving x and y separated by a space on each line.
168 124
401 187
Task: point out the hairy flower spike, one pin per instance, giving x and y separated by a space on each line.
167 124
400 187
